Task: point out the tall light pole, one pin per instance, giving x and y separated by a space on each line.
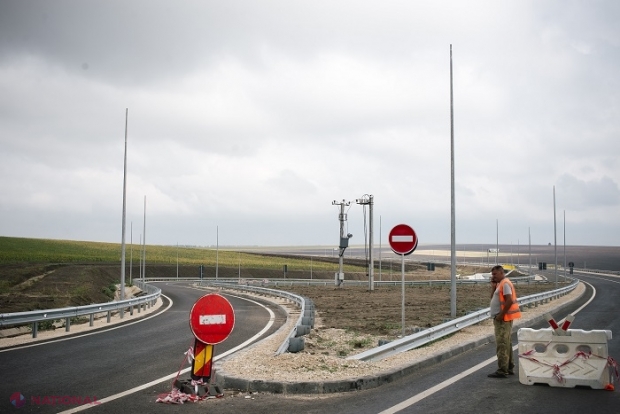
529 235
452 209
564 245
496 240
380 252
140 260
144 243
555 241
131 253
122 293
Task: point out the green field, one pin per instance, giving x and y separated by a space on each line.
14 250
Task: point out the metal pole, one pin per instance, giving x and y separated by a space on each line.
380 251
144 243
131 253
496 239
140 261
177 260
342 217
122 296
402 267
371 266
217 249
565 245
368 200
341 252
452 209
529 235
555 241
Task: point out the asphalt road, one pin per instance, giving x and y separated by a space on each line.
461 385
117 360
112 362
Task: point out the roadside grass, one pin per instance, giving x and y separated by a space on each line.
14 250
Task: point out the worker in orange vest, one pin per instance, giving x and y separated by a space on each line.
504 310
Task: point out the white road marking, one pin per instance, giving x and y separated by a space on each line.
272 318
101 330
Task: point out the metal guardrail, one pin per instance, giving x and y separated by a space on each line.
298 300
328 282
50 315
596 271
431 334
427 335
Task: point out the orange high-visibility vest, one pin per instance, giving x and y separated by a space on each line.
514 312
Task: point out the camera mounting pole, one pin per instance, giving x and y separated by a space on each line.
367 200
344 240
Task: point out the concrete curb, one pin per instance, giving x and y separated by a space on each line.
363 383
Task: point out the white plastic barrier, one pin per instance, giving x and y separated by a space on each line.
578 358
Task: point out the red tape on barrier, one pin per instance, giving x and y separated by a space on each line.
175 396
611 363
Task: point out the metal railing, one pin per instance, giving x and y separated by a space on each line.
296 299
50 315
328 282
431 334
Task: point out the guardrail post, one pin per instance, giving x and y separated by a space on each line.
35 328
67 324
130 310
109 315
92 319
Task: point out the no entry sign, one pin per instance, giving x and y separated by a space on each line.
403 239
212 319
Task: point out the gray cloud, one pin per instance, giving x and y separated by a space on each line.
255 116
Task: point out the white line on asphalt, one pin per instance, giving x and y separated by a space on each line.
426 393
272 318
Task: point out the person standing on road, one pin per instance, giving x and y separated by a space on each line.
504 310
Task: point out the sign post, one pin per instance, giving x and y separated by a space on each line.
403 241
211 320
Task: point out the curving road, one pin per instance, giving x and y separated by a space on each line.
119 359
461 385
112 362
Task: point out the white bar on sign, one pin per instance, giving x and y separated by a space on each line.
212 320
402 238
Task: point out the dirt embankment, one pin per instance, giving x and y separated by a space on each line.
32 287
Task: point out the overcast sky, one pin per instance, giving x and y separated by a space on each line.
252 117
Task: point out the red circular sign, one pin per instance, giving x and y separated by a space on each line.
403 239
212 319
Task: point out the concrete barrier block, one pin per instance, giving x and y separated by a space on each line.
579 358
296 344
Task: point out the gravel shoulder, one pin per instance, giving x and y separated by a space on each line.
316 363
